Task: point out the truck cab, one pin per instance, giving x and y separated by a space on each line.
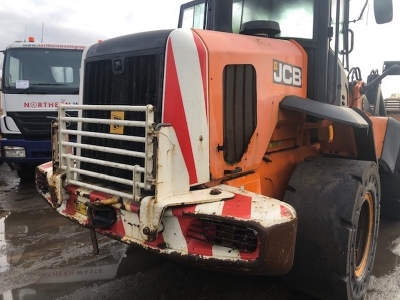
36 78
320 27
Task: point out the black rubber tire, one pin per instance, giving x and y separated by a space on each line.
390 199
26 172
337 204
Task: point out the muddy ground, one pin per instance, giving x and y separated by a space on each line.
45 256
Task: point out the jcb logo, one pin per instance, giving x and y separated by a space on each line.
117 129
287 74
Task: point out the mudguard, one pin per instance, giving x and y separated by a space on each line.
352 117
340 114
391 147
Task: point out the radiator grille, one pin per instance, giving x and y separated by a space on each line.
37 125
240 110
69 158
138 83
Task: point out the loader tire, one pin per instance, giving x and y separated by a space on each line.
337 204
390 199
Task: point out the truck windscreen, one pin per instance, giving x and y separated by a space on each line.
295 17
42 70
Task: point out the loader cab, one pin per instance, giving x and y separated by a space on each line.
321 27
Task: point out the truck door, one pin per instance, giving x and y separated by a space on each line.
193 15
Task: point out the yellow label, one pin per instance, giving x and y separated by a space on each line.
274 144
117 129
80 207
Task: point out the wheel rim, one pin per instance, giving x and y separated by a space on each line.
364 235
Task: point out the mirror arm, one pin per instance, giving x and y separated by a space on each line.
378 79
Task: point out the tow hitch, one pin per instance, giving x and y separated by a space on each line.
100 216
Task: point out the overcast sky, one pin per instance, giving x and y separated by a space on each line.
86 21
82 21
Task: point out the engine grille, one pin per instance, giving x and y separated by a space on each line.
37 125
138 83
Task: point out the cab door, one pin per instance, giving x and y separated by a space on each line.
193 15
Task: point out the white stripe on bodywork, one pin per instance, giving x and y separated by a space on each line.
173 236
213 209
264 210
192 90
220 251
131 224
267 211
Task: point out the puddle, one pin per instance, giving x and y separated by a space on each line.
50 283
3 257
8 180
385 283
387 258
45 256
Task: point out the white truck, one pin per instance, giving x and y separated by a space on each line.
37 77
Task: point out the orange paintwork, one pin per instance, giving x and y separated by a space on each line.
343 143
304 66
250 182
277 168
287 132
274 172
379 125
226 49
282 138
355 97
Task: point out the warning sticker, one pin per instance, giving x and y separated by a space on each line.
117 129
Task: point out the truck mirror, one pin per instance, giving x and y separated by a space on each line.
383 10
393 67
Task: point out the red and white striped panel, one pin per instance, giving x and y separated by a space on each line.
185 103
173 231
245 206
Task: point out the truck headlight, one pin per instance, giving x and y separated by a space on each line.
12 151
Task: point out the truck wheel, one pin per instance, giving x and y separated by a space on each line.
390 202
26 171
337 204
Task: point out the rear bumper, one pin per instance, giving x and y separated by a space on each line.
247 234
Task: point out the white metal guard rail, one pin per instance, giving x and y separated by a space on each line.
71 162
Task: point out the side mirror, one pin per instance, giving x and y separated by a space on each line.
383 10
393 67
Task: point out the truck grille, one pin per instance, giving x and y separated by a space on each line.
115 127
37 125
137 85
99 158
